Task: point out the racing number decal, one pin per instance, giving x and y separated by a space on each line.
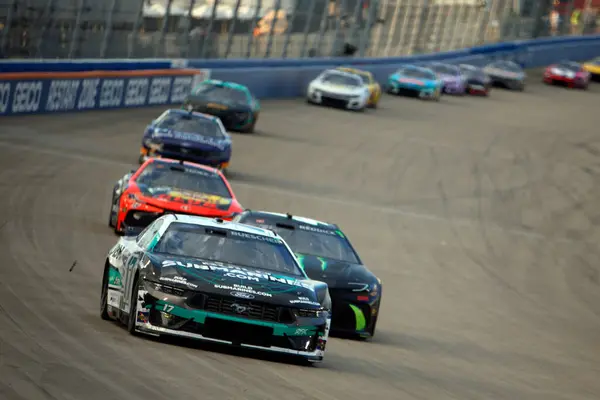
168 308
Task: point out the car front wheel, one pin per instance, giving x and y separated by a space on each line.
104 295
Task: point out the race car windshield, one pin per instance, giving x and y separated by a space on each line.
221 94
343 80
319 242
444 69
416 73
308 239
228 246
160 177
365 78
570 66
191 124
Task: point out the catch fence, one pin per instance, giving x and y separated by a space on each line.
275 28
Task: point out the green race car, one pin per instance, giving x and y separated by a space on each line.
234 104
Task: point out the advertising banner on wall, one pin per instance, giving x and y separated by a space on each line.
52 92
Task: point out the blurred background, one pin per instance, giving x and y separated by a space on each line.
278 28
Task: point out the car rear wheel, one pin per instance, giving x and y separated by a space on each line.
250 129
133 306
113 215
104 295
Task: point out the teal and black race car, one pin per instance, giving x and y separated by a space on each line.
234 104
412 80
327 255
213 280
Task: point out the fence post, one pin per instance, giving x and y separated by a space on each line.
47 21
366 32
319 42
108 28
232 29
134 30
341 12
421 27
272 29
9 17
252 26
188 29
311 10
288 34
76 29
209 30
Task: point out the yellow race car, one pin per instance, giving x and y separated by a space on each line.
371 83
593 67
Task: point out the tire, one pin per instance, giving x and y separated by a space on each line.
112 216
250 129
133 304
104 295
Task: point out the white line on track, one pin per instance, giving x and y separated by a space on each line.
331 200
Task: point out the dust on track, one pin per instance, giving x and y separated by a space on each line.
480 216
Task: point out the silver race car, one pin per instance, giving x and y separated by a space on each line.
506 74
337 88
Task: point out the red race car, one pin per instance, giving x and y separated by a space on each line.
162 186
567 73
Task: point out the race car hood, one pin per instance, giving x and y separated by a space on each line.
412 81
196 140
177 200
233 280
337 274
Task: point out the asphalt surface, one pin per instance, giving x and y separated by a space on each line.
480 216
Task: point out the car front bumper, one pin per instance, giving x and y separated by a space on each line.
335 100
159 317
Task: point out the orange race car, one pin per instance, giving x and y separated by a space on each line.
161 186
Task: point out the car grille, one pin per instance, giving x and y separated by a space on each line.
237 332
242 308
187 151
408 92
336 96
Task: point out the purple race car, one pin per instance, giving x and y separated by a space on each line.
453 79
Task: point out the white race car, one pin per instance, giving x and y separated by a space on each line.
338 89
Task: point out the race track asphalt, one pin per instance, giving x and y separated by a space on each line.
480 216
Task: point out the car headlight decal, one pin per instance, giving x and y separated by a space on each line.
311 313
359 316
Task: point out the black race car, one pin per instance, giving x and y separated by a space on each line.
506 74
478 83
233 103
217 281
327 255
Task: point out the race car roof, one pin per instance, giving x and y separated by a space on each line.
218 223
232 85
295 218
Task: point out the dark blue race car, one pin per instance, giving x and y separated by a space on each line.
187 136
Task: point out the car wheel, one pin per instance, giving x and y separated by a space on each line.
113 215
133 306
104 295
250 129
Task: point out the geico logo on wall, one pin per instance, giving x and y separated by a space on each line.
55 95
